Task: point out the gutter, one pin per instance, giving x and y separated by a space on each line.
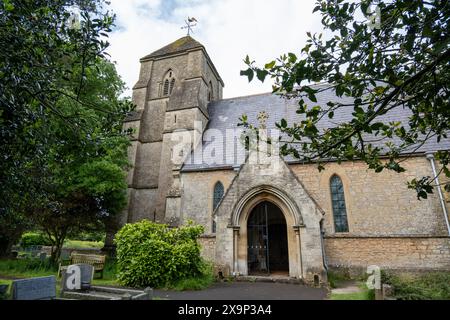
430 157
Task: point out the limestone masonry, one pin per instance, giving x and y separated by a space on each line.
263 214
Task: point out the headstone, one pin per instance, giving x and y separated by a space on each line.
77 277
387 291
3 290
43 288
42 256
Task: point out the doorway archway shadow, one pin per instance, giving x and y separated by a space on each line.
267 241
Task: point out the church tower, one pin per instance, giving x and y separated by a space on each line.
175 85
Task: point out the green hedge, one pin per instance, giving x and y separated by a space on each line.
151 254
34 239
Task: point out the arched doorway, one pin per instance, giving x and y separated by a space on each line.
267 240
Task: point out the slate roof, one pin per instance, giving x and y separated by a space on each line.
225 114
180 45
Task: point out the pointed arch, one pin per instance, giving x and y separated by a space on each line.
168 83
218 193
338 204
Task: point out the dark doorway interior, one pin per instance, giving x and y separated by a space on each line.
267 240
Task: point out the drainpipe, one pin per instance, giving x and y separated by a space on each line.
322 232
430 157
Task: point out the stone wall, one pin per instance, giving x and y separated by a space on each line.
208 247
198 190
403 253
151 176
378 204
269 180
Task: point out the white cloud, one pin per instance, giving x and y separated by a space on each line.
229 29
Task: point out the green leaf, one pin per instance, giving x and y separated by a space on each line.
8 5
312 97
270 65
292 57
249 73
261 74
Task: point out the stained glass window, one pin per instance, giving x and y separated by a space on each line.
338 203
217 196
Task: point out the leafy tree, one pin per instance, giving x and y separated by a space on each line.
59 117
396 58
82 174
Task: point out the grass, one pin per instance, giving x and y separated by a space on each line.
205 280
79 244
30 268
26 268
430 286
364 294
336 278
11 269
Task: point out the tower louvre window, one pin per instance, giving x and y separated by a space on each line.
338 204
172 84
168 83
166 88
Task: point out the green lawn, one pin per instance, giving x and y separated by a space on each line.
30 268
78 244
363 294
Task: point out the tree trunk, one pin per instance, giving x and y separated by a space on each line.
5 247
57 247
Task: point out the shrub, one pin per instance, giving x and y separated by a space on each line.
431 286
151 254
34 239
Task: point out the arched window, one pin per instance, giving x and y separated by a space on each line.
168 83
210 92
338 204
172 84
217 196
166 88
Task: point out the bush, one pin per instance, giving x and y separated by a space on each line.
431 286
34 239
151 254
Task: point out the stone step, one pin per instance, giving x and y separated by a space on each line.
273 279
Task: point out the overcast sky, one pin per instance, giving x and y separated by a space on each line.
229 29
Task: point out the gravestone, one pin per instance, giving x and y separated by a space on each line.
43 288
77 277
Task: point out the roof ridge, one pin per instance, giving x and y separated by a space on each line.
268 92
180 45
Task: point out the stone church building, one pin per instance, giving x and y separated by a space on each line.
263 214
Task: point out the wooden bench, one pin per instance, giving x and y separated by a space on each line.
97 261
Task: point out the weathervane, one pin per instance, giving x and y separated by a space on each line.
190 22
